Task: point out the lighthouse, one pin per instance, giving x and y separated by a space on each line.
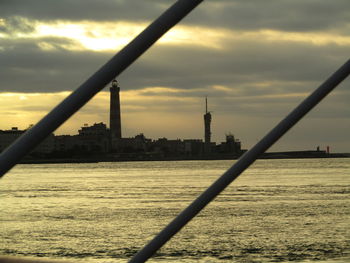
114 114
207 132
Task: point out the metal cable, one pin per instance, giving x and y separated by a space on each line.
244 162
31 138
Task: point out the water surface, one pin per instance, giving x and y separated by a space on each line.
277 211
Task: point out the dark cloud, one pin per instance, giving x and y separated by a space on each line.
16 24
243 64
240 66
286 15
186 67
290 15
103 10
28 68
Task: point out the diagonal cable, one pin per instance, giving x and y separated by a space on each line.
29 140
244 162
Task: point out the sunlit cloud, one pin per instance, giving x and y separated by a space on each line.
91 36
107 36
221 88
112 36
315 38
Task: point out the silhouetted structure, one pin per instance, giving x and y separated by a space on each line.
207 132
114 115
231 146
93 139
98 142
9 136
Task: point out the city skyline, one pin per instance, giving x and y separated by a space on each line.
98 142
254 64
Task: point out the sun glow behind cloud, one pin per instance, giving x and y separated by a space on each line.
112 36
91 36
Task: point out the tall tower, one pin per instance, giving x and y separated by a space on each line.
114 114
207 121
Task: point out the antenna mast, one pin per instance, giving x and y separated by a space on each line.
206 104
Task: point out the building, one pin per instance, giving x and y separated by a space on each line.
136 144
93 139
169 148
90 140
9 136
193 147
231 146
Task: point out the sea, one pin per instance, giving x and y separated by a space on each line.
290 210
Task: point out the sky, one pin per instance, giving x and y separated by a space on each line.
255 61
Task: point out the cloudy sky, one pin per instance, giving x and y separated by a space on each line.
255 60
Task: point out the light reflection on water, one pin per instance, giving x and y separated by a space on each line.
279 210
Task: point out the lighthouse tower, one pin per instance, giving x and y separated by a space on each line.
114 114
207 132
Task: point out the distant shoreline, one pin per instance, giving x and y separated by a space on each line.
145 157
